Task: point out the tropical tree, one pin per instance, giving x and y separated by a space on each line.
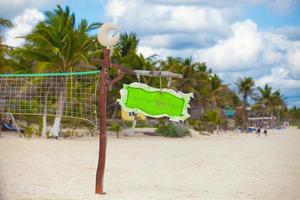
245 88
127 45
294 115
5 23
58 44
195 79
270 102
220 95
4 49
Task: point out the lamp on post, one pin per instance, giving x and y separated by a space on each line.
108 42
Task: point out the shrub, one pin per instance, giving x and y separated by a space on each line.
29 131
69 133
140 123
172 130
116 127
212 119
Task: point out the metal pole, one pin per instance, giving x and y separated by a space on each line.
102 122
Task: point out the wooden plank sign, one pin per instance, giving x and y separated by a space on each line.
154 102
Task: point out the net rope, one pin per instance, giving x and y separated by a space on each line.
52 94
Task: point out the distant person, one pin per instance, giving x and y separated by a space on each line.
258 130
265 132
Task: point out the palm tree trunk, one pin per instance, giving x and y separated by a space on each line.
246 112
59 111
44 129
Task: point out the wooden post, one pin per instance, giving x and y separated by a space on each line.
102 122
0 124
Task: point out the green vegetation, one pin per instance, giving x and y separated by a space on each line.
29 131
294 116
116 127
173 130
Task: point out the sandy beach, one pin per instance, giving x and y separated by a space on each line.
225 166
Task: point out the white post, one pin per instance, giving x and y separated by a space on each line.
14 121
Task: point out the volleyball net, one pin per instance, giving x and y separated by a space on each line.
53 94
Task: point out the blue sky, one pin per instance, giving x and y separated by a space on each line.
266 18
236 38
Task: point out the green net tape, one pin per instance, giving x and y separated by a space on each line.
153 102
51 74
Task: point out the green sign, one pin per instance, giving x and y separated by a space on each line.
153 102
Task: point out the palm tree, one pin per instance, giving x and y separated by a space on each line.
265 98
4 49
294 115
195 79
245 88
128 44
60 44
278 104
218 95
5 23
269 100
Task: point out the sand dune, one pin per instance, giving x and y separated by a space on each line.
226 166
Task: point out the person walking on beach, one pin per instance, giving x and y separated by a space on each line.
265 132
258 131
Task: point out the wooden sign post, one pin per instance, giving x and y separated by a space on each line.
104 83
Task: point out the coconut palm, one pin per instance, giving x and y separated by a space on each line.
4 49
294 115
271 102
264 98
5 23
219 95
128 44
10 63
195 79
279 104
59 44
245 88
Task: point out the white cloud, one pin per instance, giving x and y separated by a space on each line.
239 52
164 52
169 28
250 49
178 41
116 9
283 6
211 2
279 78
293 59
271 58
24 23
291 32
149 18
12 8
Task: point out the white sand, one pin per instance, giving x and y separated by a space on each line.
227 166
